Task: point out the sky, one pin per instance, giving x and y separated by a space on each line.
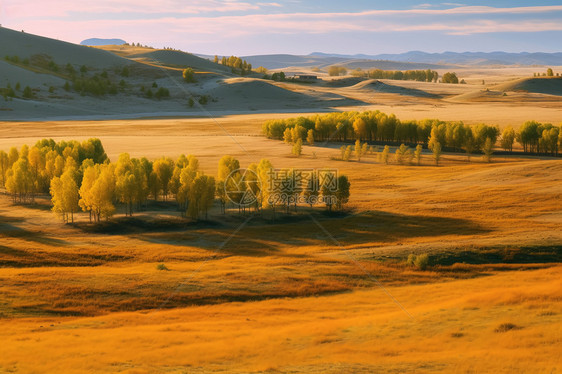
252 27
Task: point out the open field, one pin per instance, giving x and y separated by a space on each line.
284 292
241 294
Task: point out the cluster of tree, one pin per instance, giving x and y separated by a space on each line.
409 75
9 93
272 188
96 85
279 77
16 60
79 176
261 70
160 93
238 65
378 126
536 137
335 71
138 45
29 171
450 78
549 73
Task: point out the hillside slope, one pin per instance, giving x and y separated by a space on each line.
549 86
24 45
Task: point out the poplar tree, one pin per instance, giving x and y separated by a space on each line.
508 137
163 169
64 195
342 192
418 153
310 137
487 150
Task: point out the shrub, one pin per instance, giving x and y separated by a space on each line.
188 75
411 259
422 261
504 327
27 92
162 92
162 267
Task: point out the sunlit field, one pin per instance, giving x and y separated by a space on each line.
308 291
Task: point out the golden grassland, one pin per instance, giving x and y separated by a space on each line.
303 294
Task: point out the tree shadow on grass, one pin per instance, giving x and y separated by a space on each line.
8 230
142 224
21 258
261 237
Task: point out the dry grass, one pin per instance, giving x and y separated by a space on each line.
286 297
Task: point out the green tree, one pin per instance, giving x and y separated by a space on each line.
3 167
549 72
436 148
228 166
358 150
488 150
450 78
265 173
383 157
310 137
404 154
201 195
164 169
508 137
127 182
418 154
188 75
343 191
297 147
27 93
347 153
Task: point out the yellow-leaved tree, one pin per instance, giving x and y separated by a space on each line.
64 195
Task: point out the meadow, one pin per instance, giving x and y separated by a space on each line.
310 292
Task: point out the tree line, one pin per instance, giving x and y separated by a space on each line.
80 176
408 75
376 126
237 64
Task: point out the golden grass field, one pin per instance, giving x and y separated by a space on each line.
311 293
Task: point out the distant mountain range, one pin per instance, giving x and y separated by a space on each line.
404 61
464 58
97 42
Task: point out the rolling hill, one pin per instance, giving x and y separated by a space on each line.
24 45
548 86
